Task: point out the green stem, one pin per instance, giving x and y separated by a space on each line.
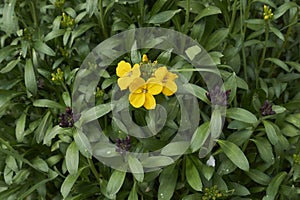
262 59
233 16
243 27
187 16
102 24
93 168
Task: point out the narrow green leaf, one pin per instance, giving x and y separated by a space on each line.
167 183
239 189
72 158
43 48
271 133
175 148
157 161
82 143
216 38
163 17
265 149
283 8
136 168
115 182
133 193
277 32
192 175
216 123
10 66
46 103
235 154
258 176
241 114
68 184
273 187
198 91
54 34
200 136
29 76
210 10
45 123
40 164
95 113
279 63
20 127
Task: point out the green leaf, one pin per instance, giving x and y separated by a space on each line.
239 189
175 148
216 123
241 114
235 154
136 168
10 162
193 51
283 8
163 17
10 66
95 113
29 76
43 127
68 184
192 175
20 127
133 193
277 32
265 149
294 65
43 48
72 158
271 133
198 91
115 182
273 187
200 136
279 63
83 143
258 176
157 161
40 164
167 183
46 103
216 38
157 6
54 34
210 10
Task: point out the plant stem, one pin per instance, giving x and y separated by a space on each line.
233 16
187 17
93 168
262 59
102 24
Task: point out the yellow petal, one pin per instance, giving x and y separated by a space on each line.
170 88
160 73
172 76
124 82
137 83
150 102
136 72
137 100
154 86
123 68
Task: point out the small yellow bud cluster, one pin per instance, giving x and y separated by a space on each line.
296 159
58 77
59 3
267 13
211 193
67 21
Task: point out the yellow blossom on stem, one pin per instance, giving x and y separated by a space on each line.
142 92
127 74
267 13
168 80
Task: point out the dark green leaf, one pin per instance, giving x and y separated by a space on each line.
29 76
192 175
163 17
241 114
72 158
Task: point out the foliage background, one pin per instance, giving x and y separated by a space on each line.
258 60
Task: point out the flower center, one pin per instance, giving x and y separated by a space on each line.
129 74
144 91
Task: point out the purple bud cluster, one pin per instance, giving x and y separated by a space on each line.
68 118
218 97
266 109
123 145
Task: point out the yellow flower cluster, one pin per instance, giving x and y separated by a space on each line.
267 13
145 80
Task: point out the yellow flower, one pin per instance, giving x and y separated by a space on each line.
168 80
142 92
267 13
127 74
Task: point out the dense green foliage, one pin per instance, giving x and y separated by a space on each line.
43 44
